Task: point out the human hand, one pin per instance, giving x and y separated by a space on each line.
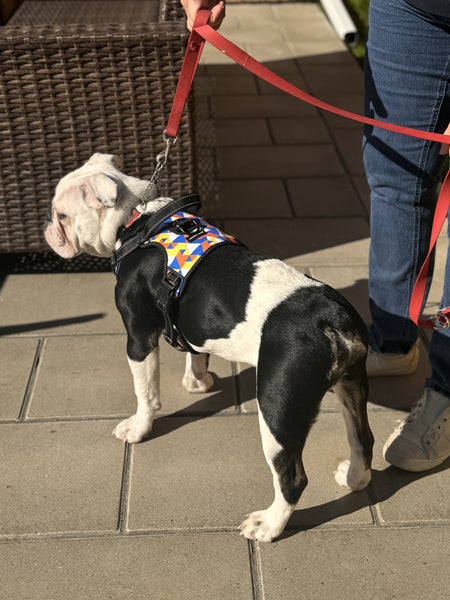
445 147
217 8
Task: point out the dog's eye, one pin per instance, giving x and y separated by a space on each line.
62 218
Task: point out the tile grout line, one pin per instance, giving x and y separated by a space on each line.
124 495
23 413
255 570
254 551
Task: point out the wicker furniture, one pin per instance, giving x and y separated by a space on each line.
102 84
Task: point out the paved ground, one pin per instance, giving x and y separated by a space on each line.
84 517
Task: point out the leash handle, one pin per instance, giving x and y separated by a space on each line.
192 56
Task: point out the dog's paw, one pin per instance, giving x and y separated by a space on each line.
354 479
132 430
258 526
198 386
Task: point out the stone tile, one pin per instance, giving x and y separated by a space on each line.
407 497
340 58
350 103
331 84
293 16
89 376
262 106
245 132
309 48
17 361
63 303
285 69
305 241
256 162
323 196
299 131
160 567
351 282
324 501
220 474
239 82
362 187
176 399
250 198
59 477
216 465
83 376
346 253
349 144
405 564
246 376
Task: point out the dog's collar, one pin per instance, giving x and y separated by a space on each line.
133 218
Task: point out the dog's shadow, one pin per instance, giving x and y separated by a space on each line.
217 401
384 485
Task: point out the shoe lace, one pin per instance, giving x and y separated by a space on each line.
416 409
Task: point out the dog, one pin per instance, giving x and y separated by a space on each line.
302 336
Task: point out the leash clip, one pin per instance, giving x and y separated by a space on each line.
153 190
441 321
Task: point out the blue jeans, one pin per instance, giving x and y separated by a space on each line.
407 82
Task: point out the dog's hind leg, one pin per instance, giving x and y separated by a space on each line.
289 481
196 378
352 393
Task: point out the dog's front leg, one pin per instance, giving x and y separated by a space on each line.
146 387
196 378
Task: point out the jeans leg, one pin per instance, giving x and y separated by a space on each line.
407 73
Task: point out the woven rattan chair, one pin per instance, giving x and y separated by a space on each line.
78 77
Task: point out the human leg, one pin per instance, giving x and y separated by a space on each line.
407 83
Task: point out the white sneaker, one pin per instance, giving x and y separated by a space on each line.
422 442
382 364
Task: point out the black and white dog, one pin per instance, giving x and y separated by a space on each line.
301 335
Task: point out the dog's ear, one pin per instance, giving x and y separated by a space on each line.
100 189
111 159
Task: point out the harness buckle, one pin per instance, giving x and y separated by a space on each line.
173 278
441 321
190 227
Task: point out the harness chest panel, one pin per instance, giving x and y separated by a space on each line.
186 239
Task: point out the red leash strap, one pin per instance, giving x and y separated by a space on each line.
201 31
190 62
442 319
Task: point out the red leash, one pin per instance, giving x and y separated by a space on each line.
201 31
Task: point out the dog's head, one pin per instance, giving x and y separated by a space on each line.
89 206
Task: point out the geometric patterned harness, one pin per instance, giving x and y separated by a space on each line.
186 240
